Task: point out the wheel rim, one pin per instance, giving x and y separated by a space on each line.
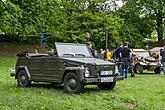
72 83
22 80
138 69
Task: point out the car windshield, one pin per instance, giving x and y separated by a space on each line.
72 50
142 54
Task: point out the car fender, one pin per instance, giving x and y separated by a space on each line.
78 70
22 68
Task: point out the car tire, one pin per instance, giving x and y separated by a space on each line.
138 69
22 79
72 83
107 86
157 70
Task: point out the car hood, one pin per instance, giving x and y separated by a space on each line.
92 61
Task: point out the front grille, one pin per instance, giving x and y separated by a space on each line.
105 68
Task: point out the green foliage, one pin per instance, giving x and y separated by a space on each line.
38 16
130 34
68 21
90 19
145 15
10 16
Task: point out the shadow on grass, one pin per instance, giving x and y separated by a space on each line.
60 87
148 73
91 89
48 86
56 87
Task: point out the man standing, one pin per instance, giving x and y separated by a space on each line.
101 54
125 59
116 55
96 54
162 53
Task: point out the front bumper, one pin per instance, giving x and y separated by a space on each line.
99 80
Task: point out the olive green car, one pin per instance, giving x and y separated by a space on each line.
71 65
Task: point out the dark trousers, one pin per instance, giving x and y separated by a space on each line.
124 67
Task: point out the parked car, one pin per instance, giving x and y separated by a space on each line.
142 60
155 52
71 65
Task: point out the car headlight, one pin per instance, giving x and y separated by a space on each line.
116 70
106 72
87 72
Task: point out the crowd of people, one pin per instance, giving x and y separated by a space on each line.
121 56
104 54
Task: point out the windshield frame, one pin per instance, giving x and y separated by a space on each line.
142 54
72 50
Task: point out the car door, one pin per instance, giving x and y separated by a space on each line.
34 68
52 69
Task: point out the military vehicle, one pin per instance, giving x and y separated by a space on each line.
142 60
71 64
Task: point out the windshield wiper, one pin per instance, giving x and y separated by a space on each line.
80 55
68 54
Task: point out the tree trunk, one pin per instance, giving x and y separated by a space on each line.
159 20
159 28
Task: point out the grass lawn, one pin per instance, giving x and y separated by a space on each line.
144 92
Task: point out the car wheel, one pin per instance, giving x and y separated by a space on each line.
72 83
138 69
22 79
107 86
157 70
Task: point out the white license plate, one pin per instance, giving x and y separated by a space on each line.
107 79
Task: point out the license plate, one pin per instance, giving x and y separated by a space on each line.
107 79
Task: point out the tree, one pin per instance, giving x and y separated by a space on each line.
10 16
41 16
151 11
86 16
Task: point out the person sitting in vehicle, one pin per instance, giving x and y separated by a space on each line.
92 51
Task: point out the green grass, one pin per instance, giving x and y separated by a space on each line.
144 92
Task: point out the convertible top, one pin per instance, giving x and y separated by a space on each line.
37 55
26 54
